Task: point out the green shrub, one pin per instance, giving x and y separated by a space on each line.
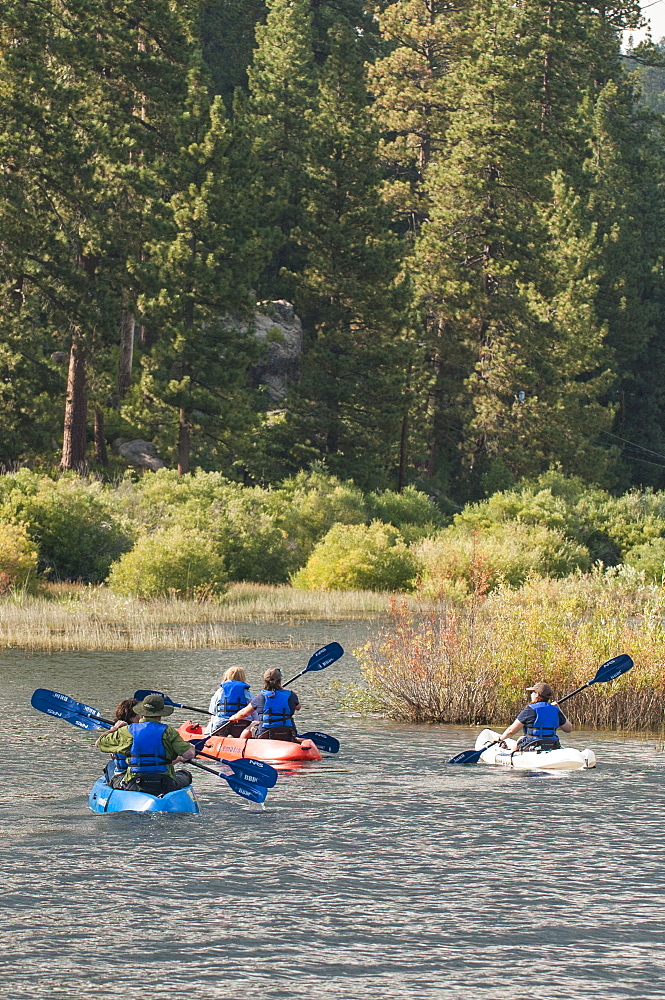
411 511
359 557
243 523
481 559
18 559
173 561
74 523
649 559
311 503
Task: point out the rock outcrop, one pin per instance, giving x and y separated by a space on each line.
277 326
142 454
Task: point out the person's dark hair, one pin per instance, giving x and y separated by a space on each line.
272 680
126 711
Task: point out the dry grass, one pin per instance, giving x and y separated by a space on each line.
471 664
69 616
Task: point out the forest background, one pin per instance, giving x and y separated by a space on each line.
463 200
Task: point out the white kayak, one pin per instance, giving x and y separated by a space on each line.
565 759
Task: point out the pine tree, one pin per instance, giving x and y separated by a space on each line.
282 83
348 405
193 383
485 246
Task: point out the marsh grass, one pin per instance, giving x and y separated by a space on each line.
71 616
471 663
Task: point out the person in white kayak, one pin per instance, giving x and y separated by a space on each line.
539 721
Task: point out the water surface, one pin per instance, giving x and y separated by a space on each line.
381 873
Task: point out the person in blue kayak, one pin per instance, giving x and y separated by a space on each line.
232 695
275 707
151 748
539 721
125 714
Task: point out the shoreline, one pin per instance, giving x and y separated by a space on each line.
79 617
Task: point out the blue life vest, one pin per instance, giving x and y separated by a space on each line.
120 762
546 723
276 711
148 753
233 696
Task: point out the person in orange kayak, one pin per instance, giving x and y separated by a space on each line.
232 695
151 748
275 707
539 721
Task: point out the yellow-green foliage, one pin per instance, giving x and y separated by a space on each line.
471 664
74 522
503 552
649 559
359 557
174 561
18 559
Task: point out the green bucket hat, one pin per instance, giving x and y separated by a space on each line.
152 706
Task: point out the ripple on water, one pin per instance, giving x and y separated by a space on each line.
382 873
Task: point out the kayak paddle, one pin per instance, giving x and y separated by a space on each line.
62 707
608 671
321 740
248 771
471 756
319 660
256 772
140 695
257 792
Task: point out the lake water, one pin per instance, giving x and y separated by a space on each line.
381 873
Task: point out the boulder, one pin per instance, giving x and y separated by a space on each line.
142 454
277 326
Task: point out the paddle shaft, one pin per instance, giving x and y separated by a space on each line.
576 691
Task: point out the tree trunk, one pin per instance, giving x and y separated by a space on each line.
126 351
74 436
101 454
403 452
183 444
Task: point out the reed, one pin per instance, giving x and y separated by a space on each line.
471 663
71 616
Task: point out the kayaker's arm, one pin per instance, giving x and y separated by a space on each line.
512 730
567 726
244 713
187 755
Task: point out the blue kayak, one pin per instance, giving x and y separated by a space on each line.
104 799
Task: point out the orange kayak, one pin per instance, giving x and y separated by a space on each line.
271 751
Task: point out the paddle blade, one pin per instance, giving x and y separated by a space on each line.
467 757
255 793
613 668
60 706
140 695
254 772
323 657
321 740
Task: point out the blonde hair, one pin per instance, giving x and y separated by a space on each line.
235 674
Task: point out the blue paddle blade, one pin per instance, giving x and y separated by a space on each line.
613 668
60 706
140 695
254 772
321 740
467 757
255 793
323 657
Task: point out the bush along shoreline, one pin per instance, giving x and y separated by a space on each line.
470 664
164 535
